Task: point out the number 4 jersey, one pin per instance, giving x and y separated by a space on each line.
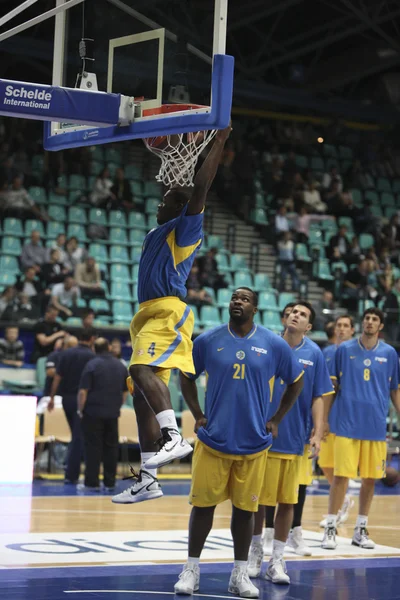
240 379
365 379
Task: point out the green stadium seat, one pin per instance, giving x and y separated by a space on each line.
120 291
383 184
97 153
34 225
96 167
315 238
98 252
98 216
366 241
136 237
211 292
357 196
345 165
133 172
75 196
376 211
372 196
151 222
317 164
267 301
225 316
272 320
152 188
118 236
285 298
339 265
122 311
324 271
214 241
223 298
329 225
13 227
260 200
210 316
302 252
138 221
119 254
119 273
58 199
347 221
41 372
112 155
345 152
74 321
9 264
257 318
77 182
38 194
223 263
329 150
201 394
99 305
396 186
117 219
390 211
54 228
78 231
238 263
363 305
112 167
38 162
387 199
6 278
301 161
135 273
11 245
151 206
77 214
136 254
261 282
136 189
243 279
176 398
258 216
57 213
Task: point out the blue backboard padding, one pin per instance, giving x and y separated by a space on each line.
217 118
41 102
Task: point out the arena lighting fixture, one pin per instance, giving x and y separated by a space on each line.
320 140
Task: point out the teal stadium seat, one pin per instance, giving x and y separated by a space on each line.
260 200
315 238
98 216
57 213
267 301
112 167
99 305
261 282
119 254
6 279
357 196
13 227
329 225
34 225
372 196
112 155
258 216
151 222
210 316
133 172
98 252
136 189
243 278
376 211
214 241
223 298
96 167
345 152
387 199
38 194
329 150
383 184
152 188
9 264
138 221
58 199
119 273
97 153
151 206
77 182
136 253
122 311
324 271
54 228
136 237
339 265
396 186
302 252
366 241
347 221
238 262
11 245
317 164
120 291
223 263
78 231
390 211
135 273
117 219
285 298
272 320
77 214
118 236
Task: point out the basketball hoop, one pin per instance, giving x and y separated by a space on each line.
179 152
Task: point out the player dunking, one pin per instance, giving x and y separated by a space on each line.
161 330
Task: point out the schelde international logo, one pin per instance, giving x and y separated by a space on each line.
27 97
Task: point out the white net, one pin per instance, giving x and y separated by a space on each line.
179 154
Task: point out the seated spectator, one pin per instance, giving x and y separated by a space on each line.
208 270
59 245
385 280
116 350
88 278
32 287
354 252
75 254
312 199
12 351
64 297
287 262
281 222
303 222
356 284
88 317
324 310
391 308
33 254
102 194
341 242
391 233
27 309
53 271
330 177
367 222
16 202
122 191
47 331
196 294
7 302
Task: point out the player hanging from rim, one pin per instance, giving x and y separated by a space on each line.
343 332
161 330
367 373
288 457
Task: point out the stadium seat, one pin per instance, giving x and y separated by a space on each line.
9 264
98 216
120 291
238 263
112 155
99 305
285 298
117 219
357 196
152 188
119 254
261 282
13 227
136 253
34 225
119 273
390 211
118 236
339 265
136 237
376 211
372 196
112 167
11 245
38 194
396 186
302 252
347 222
78 231
324 271
387 199
329 150
57 213
383 184
77 182
98 252
133 172
136 189
6 279
223 298
210 316
267 301
175 394
272 320
77 214
151 206
258 216
214 241
301 161
96 167
315 238
366 241
329 225
317 164
54 228
345 152
151 222
58 199
260 200
97 153
243 278
122 311
138 221
135 273
223 263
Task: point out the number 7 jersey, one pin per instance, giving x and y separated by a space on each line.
365 378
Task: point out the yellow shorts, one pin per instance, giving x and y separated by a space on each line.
281 481
217 477
161 335
326 454
353 456
306 474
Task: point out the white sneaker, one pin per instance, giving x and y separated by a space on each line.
295 541
172 446
329 539
276 572
268 540
323 523
361 539
343 513
256 556
240 584
189 580
354 485
146 487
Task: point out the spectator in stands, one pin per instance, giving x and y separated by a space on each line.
367 222
303 221
332 196
26 308
12 352
75 254
64 296
47 331
312 199
356 284
16 202
385 280
33 254
287 262
354 253
391 308
32 287
332 176
53 271
281 222
340 242
102 194
209 275
88 317
196 294
116 350
324 310
7 302
59 245
88 278
391 233
122 191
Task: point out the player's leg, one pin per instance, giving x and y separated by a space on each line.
269 529
146 485
326 462
295 539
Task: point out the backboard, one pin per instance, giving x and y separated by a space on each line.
139 64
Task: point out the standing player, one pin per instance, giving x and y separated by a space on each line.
285 460
241 360
162 328
343 332
367 372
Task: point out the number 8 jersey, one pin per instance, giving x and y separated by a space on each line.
365 379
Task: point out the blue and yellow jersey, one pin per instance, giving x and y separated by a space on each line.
329 355
240 379
167 256
365 379
295 428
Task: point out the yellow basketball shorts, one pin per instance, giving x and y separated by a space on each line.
326 458
161 336
281 480
306 474
363 456
217 477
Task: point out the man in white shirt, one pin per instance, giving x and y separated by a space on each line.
64 297
16 202
332 176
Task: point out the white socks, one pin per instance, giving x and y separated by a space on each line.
278 549
144 457
331 520
166 418
256 539
193 560
240 564
362 521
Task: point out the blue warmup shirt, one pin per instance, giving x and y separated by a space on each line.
240 379
295 427
167 256
365 379
329 354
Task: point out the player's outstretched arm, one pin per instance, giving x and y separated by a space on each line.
189 392
206 174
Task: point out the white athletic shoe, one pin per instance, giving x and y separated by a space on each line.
146 487
295 541
361 539
276 572
329 539
240 584
354 485
172 446
256 556
189 580
268 540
